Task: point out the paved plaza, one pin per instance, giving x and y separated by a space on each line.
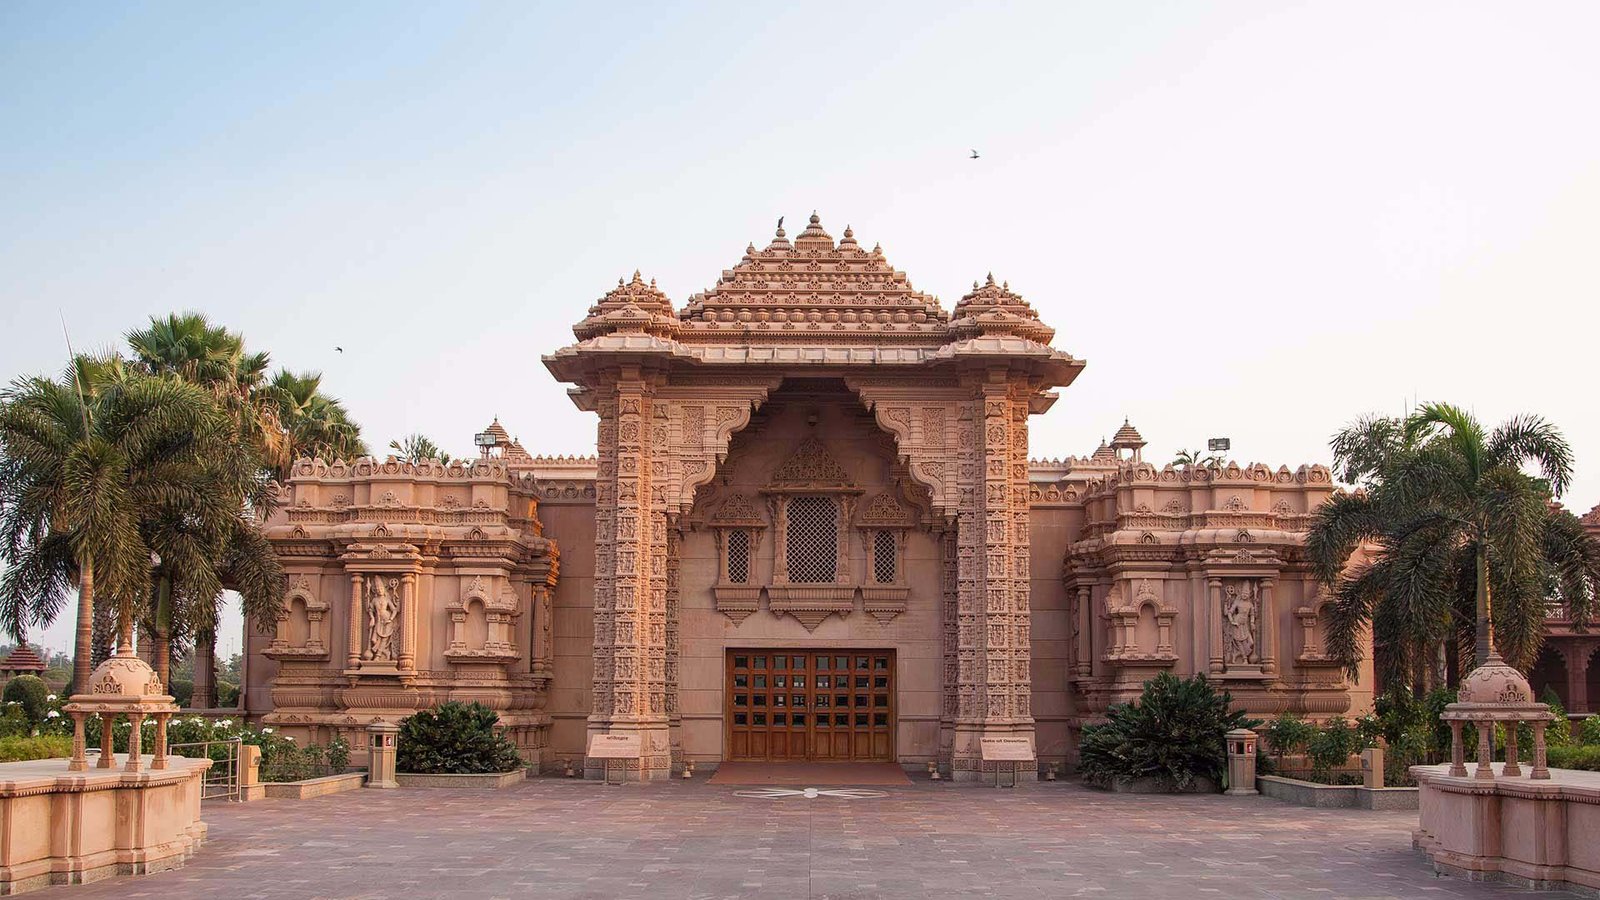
560 838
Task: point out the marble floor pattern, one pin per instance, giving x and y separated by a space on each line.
558 838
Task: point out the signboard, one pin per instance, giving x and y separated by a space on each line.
614 746
1007 749
1219 444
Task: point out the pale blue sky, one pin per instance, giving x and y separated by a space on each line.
1254 220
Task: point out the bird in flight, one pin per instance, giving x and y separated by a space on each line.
780 223
338 349
974 155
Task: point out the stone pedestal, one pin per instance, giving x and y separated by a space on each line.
1241 761
1372 767
71 827
381 739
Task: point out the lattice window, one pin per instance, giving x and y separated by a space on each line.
883 557
739 557
813 540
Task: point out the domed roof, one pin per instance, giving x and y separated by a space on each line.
1494 682
124 677
1127 436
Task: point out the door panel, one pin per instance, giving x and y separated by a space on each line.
810 704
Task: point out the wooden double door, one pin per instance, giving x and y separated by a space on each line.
810 704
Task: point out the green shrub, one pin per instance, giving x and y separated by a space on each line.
31 693
14 722
1175 733
1589 732
338 755
20 749
227 694
1288 734
455 739
182 690
1574 756
1332 746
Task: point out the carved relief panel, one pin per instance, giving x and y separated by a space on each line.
482 622
301 631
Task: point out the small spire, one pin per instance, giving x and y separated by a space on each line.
814 219
848 233
991 279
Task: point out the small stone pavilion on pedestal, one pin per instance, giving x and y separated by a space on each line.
69 822
1537 828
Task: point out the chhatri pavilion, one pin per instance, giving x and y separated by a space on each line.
814 528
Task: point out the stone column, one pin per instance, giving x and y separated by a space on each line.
1214 623
1578 678
160 761
630 581
994 628
408 622
1458 751
135 741
1085 612
353 644
108 753
1485 750
1269 629
205 670
80 758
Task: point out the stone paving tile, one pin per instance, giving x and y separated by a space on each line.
572 839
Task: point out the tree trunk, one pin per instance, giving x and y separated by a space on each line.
83 641
1485 646
205 670
161 632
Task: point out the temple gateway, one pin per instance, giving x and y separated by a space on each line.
812 530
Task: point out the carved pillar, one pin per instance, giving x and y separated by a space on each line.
949 624
674 713
1269 629
1578 677
205 670
630 580
1214 620
408 622
995 693
1085 661
353 645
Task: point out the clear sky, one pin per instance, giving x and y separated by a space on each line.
1254 220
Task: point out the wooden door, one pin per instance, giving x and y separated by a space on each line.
810 704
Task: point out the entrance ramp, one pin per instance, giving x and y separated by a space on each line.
811 774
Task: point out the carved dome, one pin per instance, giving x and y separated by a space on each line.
1495 683
125 677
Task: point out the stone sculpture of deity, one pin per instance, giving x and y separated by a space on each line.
1242 617
382 606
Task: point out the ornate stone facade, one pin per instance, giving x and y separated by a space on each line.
409 584
809 464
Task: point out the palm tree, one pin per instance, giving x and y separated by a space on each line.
81 460
1451 520
206 548
318 425
1192 458
418 448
